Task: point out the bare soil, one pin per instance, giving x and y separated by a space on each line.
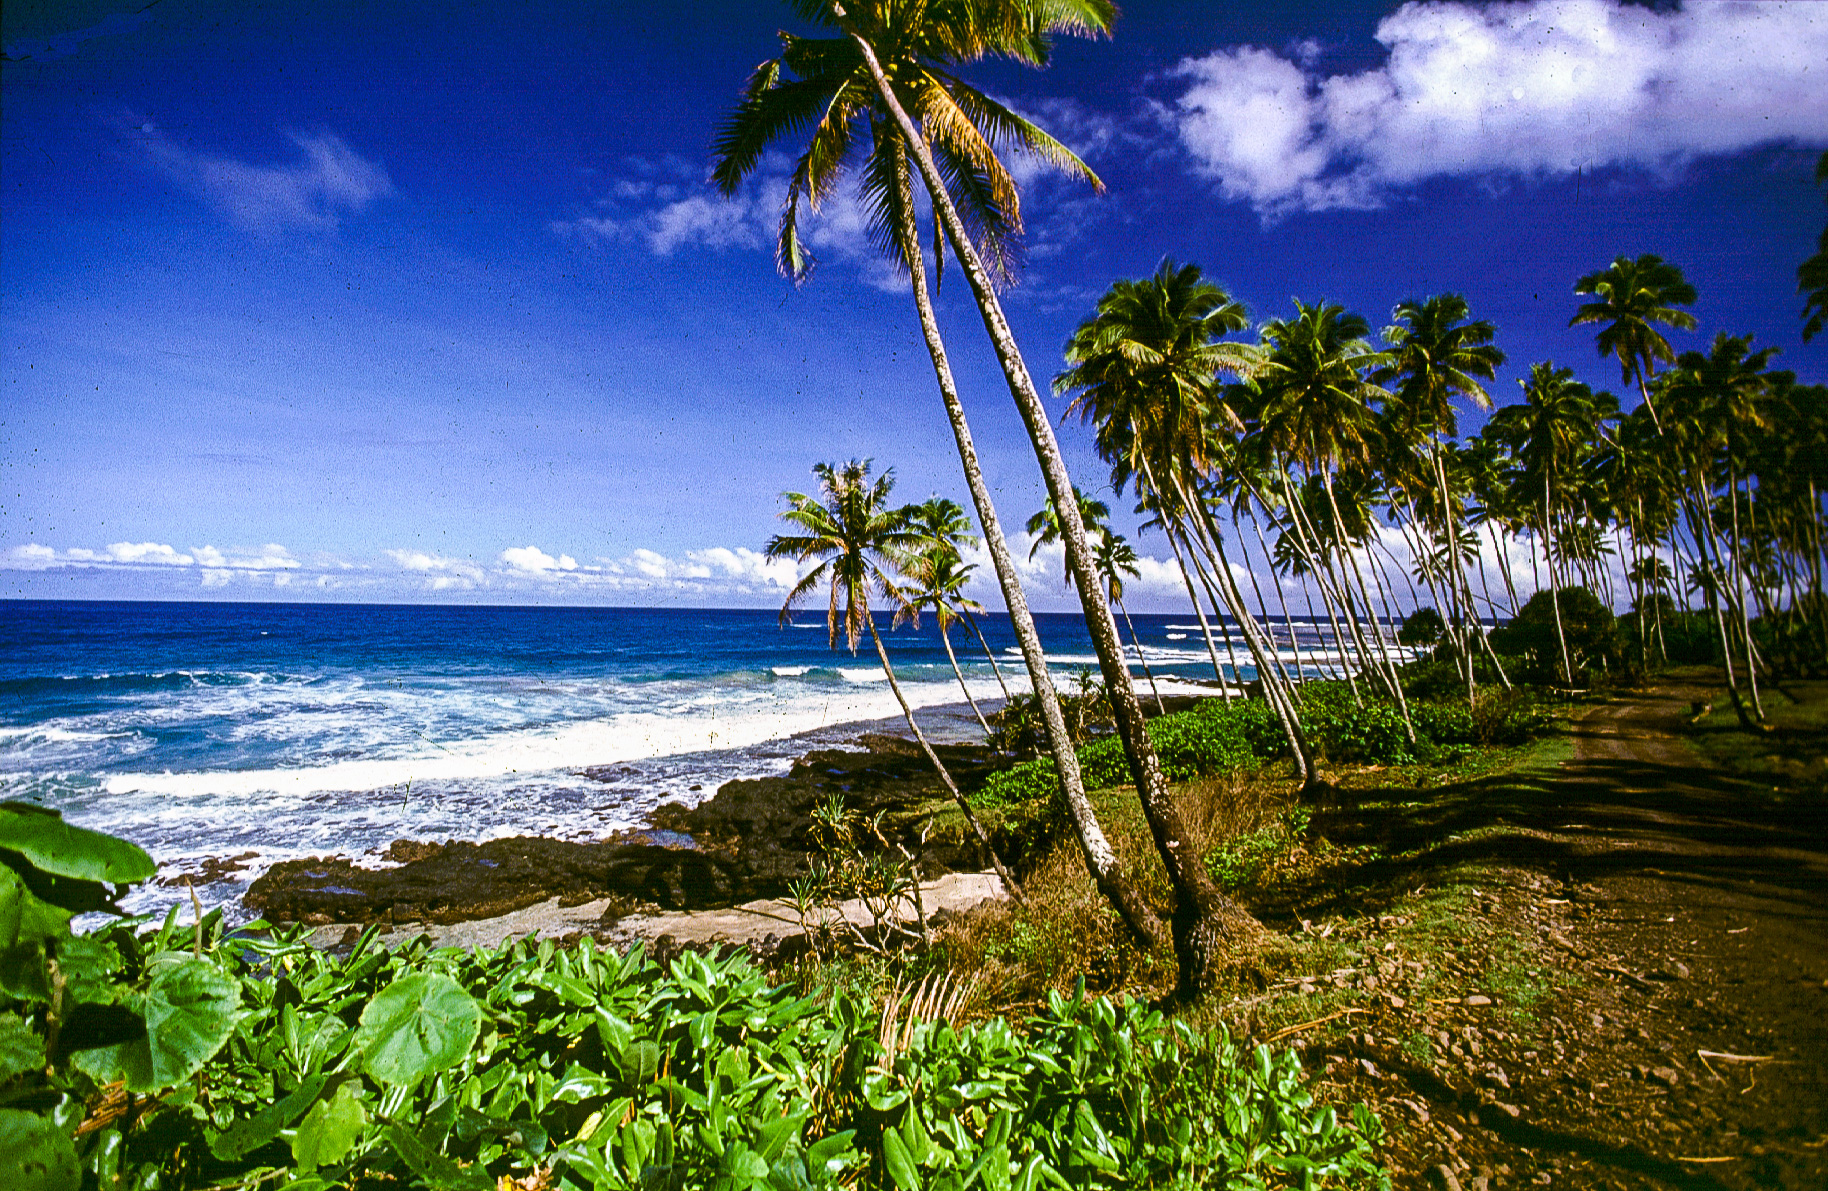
1626 984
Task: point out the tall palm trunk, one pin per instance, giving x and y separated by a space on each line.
1739 586
995 668
1160 707
1205 922
1548 558
1306 548
1212 650
1345 547
945 775
1100 857
946 640
1288 622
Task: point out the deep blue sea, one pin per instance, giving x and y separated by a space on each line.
306 729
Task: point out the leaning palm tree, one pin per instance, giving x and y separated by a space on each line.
938 577
1117 558
838 90
1206 924
1438 354
857 540
1633 294
943 523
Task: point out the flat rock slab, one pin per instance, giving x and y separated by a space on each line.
752 923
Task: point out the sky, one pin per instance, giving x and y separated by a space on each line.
318 300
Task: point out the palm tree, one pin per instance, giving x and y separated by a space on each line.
1633 294
943 522
1045 525
1438 355
1812 274
939 576
1548 435
1206 924
838 87
857 539
1315 392
1116 559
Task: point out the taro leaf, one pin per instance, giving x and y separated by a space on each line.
250 1133
20 1049
437 1170
330 1129
41 836
417 1026
89 966
190 1013
25 918
38 1153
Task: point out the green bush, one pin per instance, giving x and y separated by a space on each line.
256 1059
1586 623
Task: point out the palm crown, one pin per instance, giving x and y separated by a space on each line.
857 538
1633 294
824 84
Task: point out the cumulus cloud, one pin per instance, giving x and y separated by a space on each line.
328 181
534 561
1538 88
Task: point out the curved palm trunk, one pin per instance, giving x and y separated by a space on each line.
1548 558
1160 707
1212 650
1100 857
1288 622
945 775
946 639
994 667
1298 520
1377 633
1205 923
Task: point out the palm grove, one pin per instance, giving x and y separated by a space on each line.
1319 441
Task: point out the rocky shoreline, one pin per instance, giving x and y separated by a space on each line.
745 844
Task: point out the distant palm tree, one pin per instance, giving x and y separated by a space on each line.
1045 525
1633 294
1439 354
939 576
858 541
1116 558
943 522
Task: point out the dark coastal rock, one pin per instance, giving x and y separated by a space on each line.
764 826
459 882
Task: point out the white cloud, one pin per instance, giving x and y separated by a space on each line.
532 560
749 565
148 552
269 558
329 181
1532 89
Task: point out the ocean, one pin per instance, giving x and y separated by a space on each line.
287 730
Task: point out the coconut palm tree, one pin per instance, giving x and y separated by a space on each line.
1094 515
858 541
1548 435
1116 558
838 90
1438 354
938 577
943 522
1631 295
1205 924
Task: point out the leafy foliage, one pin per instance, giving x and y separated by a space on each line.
255 1058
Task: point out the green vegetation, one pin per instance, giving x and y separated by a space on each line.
175 1056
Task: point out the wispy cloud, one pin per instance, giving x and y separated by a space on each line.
1537 88
327 182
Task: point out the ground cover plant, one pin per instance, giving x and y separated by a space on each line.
171 1055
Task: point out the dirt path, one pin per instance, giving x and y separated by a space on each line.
1688 910
1685 871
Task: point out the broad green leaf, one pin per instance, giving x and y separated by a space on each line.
190 1013
896 1160
25 918
417 1026
250 1133
37 1154
20 1049
89 966
437 1170
330 1129
41 836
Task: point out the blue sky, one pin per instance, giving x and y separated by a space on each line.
387 302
